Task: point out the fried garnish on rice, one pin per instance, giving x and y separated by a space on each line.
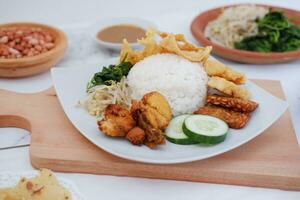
168 43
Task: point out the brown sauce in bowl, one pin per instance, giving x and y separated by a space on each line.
116 33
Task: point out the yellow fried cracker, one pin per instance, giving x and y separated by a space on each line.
170 43
216 68
125 51
228 88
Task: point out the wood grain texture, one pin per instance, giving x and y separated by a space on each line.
198 26
27 66
271 160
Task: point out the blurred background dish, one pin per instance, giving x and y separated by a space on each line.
29 48
10 179
200 23
109 33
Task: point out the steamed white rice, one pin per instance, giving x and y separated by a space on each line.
182 82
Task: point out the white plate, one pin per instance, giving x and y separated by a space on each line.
10 179
70 84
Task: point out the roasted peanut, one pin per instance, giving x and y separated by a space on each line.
18 42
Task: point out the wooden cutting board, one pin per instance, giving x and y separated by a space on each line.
271 160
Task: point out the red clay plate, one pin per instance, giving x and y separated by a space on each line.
198 26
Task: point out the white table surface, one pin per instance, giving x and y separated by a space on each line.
171 15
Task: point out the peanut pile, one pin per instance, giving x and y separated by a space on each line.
18 42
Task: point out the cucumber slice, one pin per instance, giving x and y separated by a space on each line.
205 129
174 132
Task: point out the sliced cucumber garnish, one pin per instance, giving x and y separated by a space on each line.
205 129
174 132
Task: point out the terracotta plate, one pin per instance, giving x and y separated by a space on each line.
198 26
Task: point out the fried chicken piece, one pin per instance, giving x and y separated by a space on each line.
117 121
136 136
156 109
235 104
228 88
216 68
133 109
236 120
153 114
154 136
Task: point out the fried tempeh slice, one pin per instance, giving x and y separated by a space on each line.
228 88
236 120
235 104
216 68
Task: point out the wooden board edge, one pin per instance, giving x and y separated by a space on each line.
213 178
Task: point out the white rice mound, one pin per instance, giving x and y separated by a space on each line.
182 82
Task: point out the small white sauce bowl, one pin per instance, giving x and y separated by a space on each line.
100 25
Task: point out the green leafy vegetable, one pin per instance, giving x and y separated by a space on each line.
110 74
275 33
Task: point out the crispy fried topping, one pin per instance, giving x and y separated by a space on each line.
168 43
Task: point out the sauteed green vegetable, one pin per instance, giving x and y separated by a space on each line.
109 74
276 33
